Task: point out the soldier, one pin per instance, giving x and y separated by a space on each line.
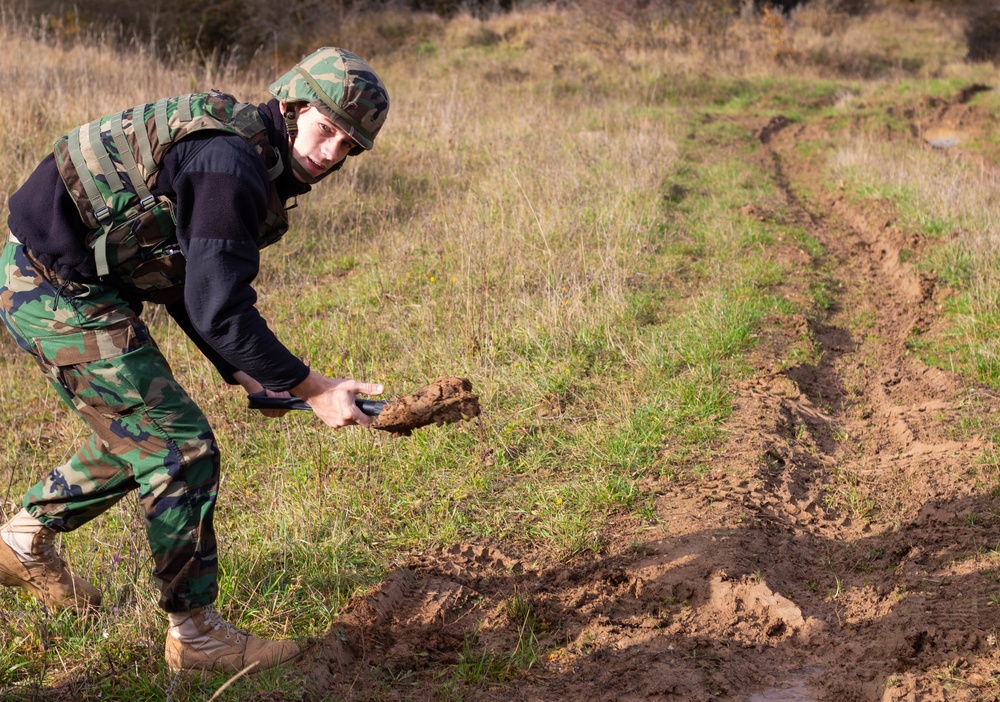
168 202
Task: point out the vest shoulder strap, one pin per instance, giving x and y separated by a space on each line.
109 166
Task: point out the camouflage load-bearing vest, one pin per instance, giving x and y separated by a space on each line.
110 166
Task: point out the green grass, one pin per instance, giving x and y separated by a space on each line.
945 202
589 265
478 667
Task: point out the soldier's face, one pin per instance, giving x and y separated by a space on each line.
319 146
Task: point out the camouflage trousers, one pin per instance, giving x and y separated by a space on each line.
148 434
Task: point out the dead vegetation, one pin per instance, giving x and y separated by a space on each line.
731 318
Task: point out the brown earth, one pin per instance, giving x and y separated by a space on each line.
445 401
773 578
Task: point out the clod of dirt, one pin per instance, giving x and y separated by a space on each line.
446 400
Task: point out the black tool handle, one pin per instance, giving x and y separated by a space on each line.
259 400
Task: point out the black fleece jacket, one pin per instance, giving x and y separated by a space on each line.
219 185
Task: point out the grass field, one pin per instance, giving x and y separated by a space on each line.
556 210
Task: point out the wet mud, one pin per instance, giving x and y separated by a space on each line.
842 547
445 401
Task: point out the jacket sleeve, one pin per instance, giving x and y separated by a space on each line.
179 314
220 187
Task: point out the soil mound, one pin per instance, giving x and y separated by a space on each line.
445 401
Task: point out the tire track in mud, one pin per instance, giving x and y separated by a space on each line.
835 552
866 407
867 431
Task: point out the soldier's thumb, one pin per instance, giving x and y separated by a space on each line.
371 389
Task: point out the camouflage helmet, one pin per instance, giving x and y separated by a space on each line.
343 87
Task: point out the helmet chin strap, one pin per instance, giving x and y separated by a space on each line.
291 112
302 174
292 127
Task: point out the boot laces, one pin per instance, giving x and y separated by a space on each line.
44 547
211 617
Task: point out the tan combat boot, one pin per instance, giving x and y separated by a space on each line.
39 569
202 641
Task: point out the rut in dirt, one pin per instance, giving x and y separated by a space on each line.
829 555
859 484
866 408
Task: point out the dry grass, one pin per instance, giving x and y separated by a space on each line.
533 217
494 227
951 196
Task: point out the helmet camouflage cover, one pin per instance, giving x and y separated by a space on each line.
343 87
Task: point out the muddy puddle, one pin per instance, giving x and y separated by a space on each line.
943 138
794 689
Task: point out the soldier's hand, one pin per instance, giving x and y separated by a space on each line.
332 399
252 387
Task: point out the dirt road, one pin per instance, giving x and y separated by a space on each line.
840 549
